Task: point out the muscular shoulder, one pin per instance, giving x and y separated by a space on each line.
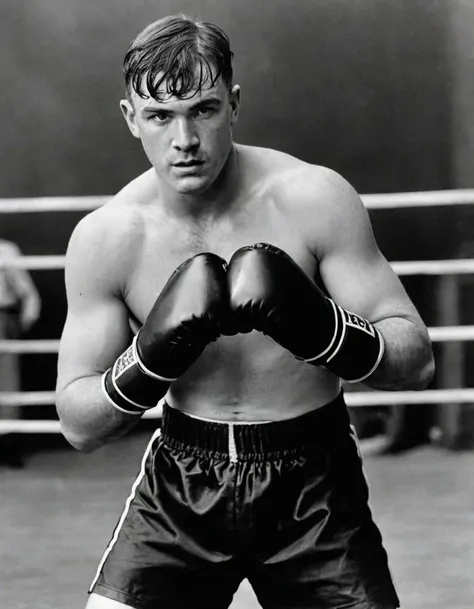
103 243
313 188
301 184
323 204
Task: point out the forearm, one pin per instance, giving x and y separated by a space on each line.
407 362
88 419
32 305
30 311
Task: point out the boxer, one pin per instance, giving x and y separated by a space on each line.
237 286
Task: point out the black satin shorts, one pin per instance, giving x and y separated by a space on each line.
283 504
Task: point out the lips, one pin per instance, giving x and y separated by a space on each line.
193 163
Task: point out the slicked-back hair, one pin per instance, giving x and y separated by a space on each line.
177 56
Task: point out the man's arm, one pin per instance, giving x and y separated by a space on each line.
95 333
30 302
24 289
104 382
359 278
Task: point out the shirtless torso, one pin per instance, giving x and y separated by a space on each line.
243 377
125 252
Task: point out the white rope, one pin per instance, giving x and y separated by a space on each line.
27 398
443 334
437 334
48 204
431 198
381 398
434 267
412 267
371 201
354 399
428 396
19 426
33 262
29 346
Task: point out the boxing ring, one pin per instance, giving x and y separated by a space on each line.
447 272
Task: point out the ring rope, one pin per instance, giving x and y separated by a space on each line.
437 334
356 399
29 346
434 267
33 426
433 198
33 262
411 267
396 200
51 204
27 398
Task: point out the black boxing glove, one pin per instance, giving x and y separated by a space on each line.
270 292
185 318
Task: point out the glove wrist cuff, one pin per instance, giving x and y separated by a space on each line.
356 348
128 386
336 340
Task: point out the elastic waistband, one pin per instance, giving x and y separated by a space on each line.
253 440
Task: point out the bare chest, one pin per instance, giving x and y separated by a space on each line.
164 246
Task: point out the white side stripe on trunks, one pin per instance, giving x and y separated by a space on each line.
129 500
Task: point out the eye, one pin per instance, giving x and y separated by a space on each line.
204 111
160 117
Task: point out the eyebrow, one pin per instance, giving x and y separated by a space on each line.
208 101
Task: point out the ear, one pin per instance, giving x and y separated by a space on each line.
234 98
129 114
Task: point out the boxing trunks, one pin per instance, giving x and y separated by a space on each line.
283 504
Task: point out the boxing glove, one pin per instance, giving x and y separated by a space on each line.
271 293
185 318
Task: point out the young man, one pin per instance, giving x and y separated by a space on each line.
257 285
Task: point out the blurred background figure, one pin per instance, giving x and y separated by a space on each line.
20 306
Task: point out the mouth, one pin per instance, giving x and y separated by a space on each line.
188 164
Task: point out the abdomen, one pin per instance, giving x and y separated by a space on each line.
250 377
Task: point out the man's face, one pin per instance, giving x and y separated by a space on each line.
186 140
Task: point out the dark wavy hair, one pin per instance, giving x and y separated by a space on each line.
177 55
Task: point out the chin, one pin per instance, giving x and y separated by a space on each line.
192 185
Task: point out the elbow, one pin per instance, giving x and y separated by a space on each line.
78 441
422 377
423 368
426 373
414 377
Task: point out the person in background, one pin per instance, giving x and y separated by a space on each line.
20 307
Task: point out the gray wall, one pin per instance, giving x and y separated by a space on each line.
360 85
461 68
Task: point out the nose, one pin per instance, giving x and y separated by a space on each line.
185 137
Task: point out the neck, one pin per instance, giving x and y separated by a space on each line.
213 201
